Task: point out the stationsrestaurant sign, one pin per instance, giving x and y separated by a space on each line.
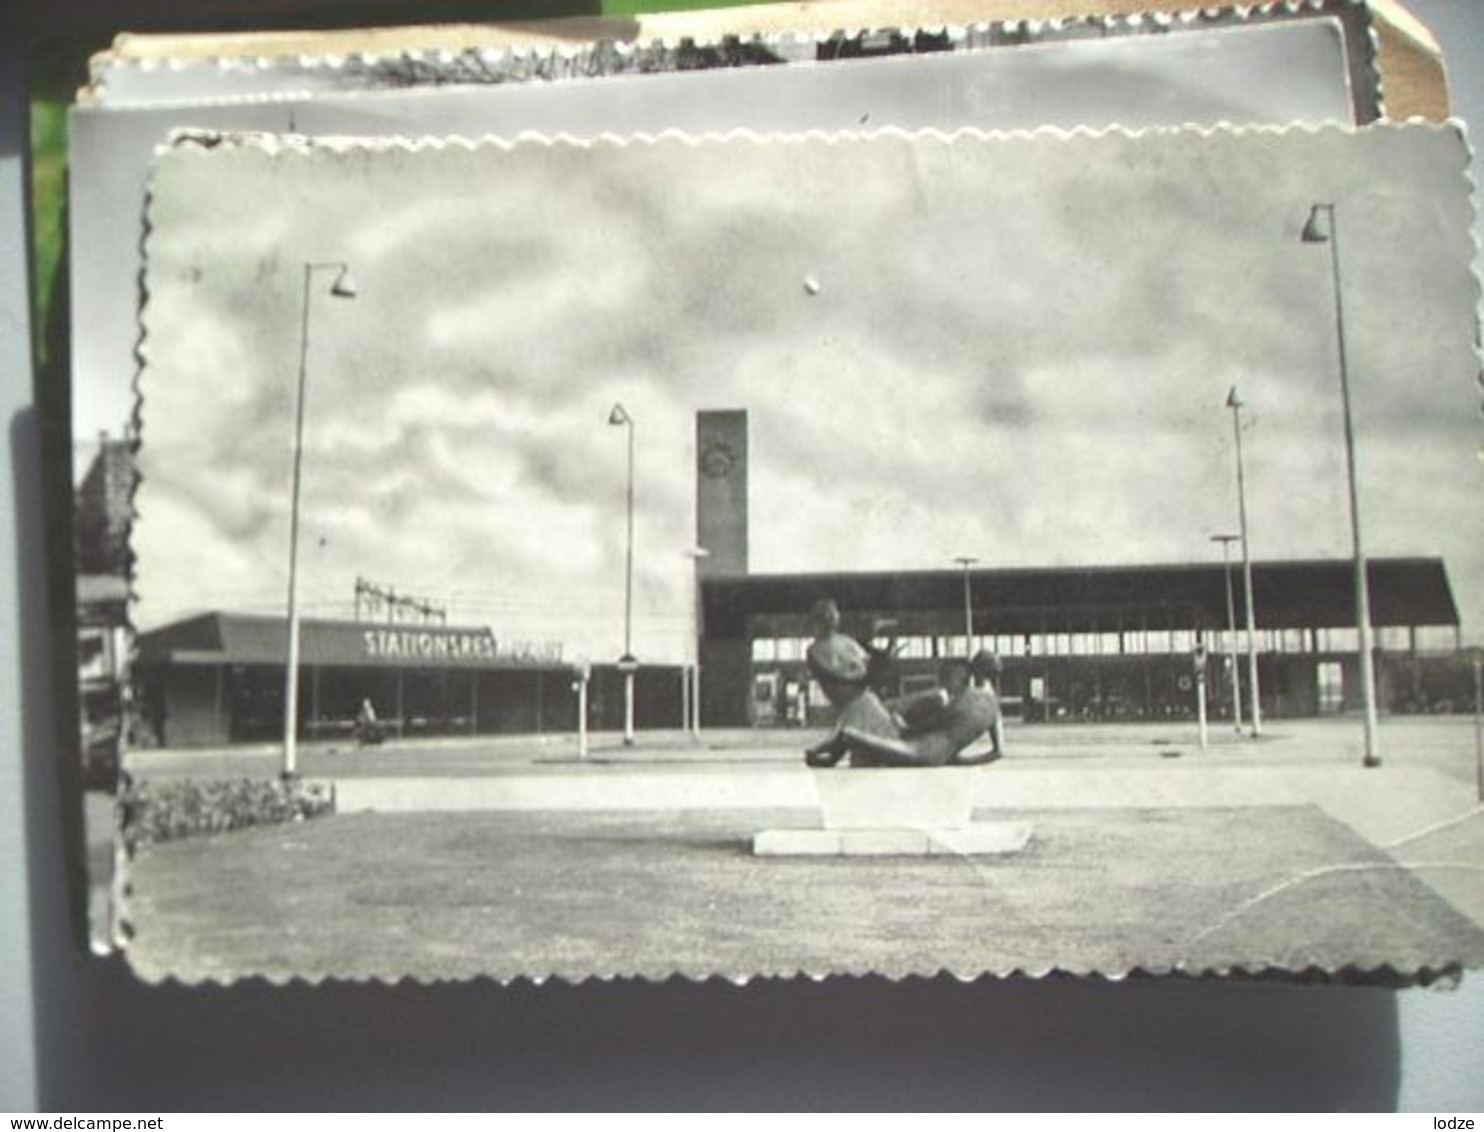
467 646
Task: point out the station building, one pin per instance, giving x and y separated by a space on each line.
1076 643
1105 642
1098 643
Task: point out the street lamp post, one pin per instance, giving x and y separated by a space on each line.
1322 228
627 664
696 554
965 561
341 287
1234 403
1198 663
1231 628
581 673
1479 725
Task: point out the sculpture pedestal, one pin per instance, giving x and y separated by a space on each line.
940 797
896 812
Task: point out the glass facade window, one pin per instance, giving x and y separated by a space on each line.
1394 638
1436 638
914 648
1341 640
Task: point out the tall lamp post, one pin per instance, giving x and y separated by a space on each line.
1322 228
341 287
1234 403
965 561
627 664
695 554
1231 627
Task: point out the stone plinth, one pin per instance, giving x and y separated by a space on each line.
895 812
896 798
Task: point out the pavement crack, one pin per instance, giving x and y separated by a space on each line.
1436 827
1304 877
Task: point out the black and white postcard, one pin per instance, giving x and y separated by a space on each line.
749 555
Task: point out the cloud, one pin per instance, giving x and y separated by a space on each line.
1017 349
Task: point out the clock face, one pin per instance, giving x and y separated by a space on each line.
718 460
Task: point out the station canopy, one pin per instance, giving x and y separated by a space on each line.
1314 594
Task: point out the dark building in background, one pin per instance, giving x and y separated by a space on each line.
100 537
101 511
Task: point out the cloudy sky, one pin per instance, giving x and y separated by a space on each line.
1016 349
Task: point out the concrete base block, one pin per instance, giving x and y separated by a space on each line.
796 843
924 798
884 842
978 839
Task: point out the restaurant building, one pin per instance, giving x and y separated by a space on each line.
218 679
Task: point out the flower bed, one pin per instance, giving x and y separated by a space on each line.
167 811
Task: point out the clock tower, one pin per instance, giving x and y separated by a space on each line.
721 491
721 529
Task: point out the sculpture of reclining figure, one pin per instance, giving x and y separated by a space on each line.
931 729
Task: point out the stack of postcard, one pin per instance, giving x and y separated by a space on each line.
1106 390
